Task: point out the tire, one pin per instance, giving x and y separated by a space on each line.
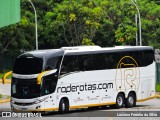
130 101
63 106
119 101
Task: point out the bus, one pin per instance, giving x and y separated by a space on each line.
82 77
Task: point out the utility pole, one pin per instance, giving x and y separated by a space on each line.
136 27
35 13
139 20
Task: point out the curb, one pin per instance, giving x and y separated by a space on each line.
7 81
4 101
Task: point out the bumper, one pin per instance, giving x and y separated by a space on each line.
29 108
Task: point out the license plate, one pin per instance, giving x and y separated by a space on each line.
23 109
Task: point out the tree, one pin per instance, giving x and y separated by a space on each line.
77 21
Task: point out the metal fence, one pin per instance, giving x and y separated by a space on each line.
158 72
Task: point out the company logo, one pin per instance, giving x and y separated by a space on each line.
127 74
84 87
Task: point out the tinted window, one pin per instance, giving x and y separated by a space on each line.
53 63
25 89
28 65
68 64
49 84
147 57
87 62
106 60
77 63
100 61
113 59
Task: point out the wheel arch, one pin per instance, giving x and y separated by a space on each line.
65 99
121 93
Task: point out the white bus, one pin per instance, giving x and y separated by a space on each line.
82 77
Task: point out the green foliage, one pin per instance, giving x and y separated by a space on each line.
157 87
76 20
81 22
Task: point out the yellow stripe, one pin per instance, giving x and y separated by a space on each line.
141 100
92 105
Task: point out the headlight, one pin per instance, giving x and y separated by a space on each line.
36 102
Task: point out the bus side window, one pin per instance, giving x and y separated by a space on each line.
100 61
147 57
83 63
87 62
67 65
52 63
113 60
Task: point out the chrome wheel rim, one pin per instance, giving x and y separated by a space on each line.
63 106
120 101
131 100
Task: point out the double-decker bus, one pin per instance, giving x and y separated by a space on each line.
82 77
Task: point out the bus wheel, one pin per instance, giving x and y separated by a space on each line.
119 100
131 100
64 106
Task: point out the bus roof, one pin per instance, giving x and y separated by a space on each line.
81 50
43 53
107 49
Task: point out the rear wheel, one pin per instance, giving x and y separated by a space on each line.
120 100
64 106
131 100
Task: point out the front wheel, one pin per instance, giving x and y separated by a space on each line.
119 100
131 100
64 106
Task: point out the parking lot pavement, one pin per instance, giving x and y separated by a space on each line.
5 89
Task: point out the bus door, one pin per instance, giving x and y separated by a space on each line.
49 86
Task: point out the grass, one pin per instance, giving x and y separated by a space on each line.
1 75
157 87
5 96
0 96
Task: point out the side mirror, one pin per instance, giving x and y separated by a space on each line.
45 73
5 76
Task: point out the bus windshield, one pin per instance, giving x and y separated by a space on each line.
25 89
28 66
